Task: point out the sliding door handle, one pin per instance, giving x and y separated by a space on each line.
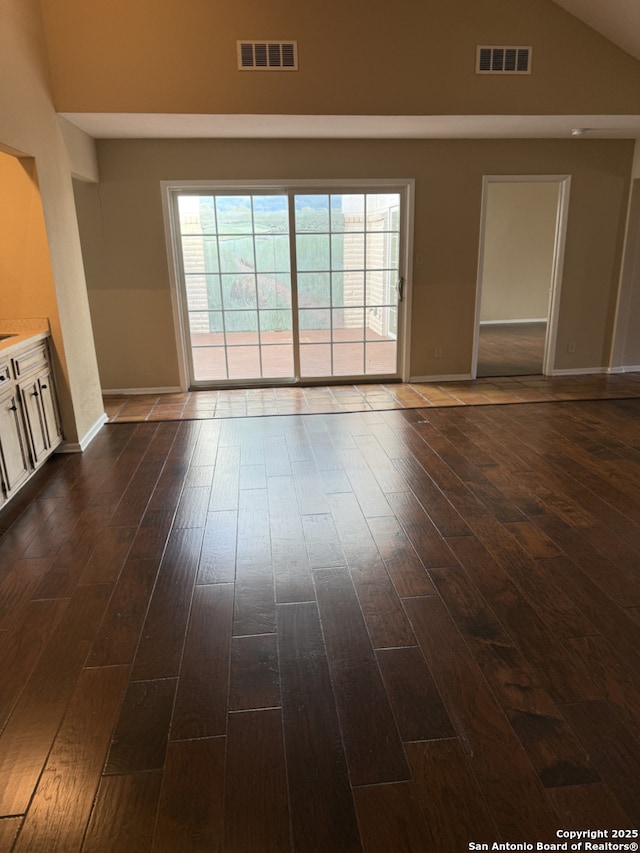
400 289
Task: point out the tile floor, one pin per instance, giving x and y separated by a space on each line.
248 402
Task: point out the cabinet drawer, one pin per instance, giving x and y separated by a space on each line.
29 360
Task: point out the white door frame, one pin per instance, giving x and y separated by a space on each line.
404 186
564 186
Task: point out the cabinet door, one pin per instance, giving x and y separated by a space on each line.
48 401
34 416
14 457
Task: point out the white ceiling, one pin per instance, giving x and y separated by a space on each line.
618 20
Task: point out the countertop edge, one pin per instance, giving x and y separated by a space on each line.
19 339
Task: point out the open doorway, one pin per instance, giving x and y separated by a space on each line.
521 248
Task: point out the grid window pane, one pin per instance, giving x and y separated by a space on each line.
347 251
277 362
381 322
276 326
199 253
274 291
244 362
379 209
196 214
209 364
239 291
315 359
381 358
312 252
234 214
204 326
394 251
203 292
312 213
377 250
272 253
315 325
378 288
348 324
241 327
236 254
347 212
353 289
270 214
348 359
314 290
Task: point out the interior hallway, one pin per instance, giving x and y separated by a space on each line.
381 631
511 349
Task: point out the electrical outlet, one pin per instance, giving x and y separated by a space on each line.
571 348
437 352
419 258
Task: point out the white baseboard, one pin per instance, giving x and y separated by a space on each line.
445 377
169 389
625 368
512 322
85 441
580 371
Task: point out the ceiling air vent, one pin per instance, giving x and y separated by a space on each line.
267 55
503 60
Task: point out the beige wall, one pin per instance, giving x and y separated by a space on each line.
29 127
626 349
519 240
168 56
127 272
81 149
362 57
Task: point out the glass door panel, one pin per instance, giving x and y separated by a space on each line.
347 257
237 286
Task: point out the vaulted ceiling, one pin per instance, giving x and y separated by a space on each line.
617 20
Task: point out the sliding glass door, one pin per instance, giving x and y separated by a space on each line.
288 286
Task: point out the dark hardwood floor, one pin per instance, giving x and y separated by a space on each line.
511 349
386 632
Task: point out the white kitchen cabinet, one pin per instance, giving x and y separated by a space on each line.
40 416
29 419
15 465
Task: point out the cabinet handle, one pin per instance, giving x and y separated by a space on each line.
43 386
2 378
35 394
13 408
